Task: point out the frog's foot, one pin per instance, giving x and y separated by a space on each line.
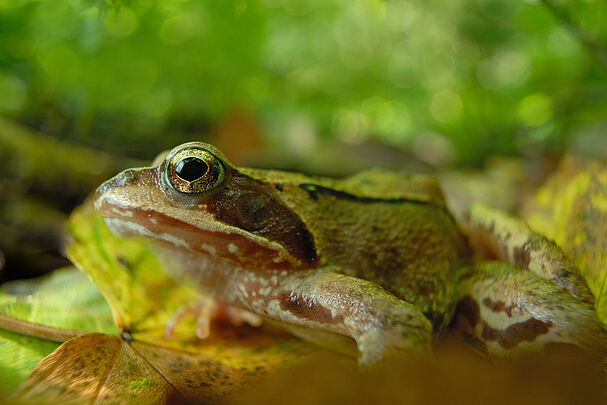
205 312
376 345
504 310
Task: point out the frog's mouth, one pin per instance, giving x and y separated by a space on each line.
236 248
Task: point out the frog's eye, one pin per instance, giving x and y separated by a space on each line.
194 171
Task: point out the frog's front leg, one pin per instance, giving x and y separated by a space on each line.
381 324
316 300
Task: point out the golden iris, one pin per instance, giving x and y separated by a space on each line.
194 171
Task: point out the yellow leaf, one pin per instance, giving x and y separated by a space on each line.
571 209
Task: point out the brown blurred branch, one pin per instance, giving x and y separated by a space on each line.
35 330
578 33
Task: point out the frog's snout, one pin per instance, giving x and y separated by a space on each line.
109 187
122 179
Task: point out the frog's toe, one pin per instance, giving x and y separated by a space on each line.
203 327
205 312
198 312
239 316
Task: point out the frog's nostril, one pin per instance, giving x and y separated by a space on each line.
103 188
125 177
120 180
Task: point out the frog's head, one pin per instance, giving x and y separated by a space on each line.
195 199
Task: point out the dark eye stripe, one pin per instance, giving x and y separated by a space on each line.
248 204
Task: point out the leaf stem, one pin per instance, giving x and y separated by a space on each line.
35 330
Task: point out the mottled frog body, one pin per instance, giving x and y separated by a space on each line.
373 257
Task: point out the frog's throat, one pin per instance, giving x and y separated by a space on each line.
243 250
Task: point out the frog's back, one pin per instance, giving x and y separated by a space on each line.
372 184
390 228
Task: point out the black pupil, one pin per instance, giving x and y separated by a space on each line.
191 168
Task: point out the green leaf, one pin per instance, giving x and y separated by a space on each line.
18 356
66 299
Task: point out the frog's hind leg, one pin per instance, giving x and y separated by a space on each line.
504 310
538 299
496 235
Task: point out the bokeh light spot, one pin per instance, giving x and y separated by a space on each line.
12 93
158 103
61 62
176 30
535 109
446 106
121 23
350 125
506 68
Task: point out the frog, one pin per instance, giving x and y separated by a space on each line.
373 265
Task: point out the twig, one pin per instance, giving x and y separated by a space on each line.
577 32
36 330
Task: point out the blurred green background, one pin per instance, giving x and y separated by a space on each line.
88 87
469 78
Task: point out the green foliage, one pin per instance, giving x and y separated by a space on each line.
66 299
492 76
18 357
